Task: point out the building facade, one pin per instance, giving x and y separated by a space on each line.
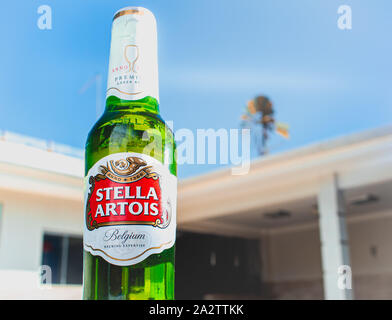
297 226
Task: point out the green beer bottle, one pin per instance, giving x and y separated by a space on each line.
130 175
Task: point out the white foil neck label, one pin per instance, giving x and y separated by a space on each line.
133 64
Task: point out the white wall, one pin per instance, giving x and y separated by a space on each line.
293 256
25 218
368 234
21 285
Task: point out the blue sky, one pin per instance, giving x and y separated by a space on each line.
214 55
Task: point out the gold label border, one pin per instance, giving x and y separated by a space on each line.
139 255
128 93
129 11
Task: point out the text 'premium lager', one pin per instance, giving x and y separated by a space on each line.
130 182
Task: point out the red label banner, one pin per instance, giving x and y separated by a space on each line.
114 203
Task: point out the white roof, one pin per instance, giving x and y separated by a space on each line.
278 181
29 165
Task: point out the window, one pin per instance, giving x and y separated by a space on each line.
64 255
221 266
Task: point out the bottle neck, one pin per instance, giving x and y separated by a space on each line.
144 105
133 65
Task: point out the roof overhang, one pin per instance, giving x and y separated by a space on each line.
358 160
28 169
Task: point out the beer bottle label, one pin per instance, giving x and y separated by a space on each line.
130 206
